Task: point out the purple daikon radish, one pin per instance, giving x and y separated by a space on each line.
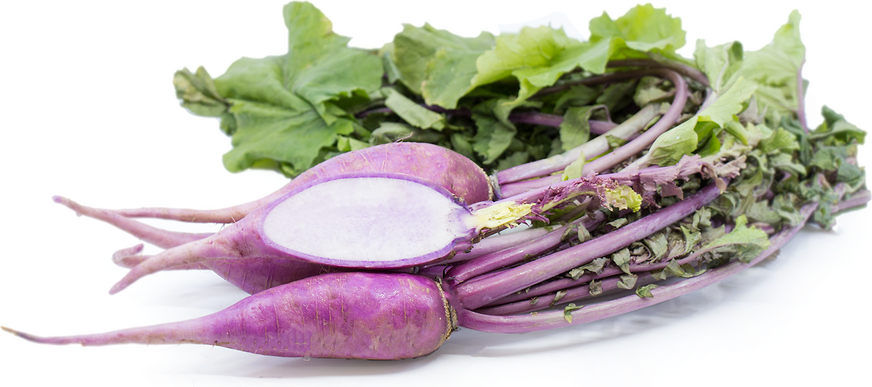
339 315
373 221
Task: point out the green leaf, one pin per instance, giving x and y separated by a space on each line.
785 205
731 103
515 159
391 70
594 56
683 140
319 66
437 63
198 93
621 258
531 52
617 95
780 141
449 76
614 141
738 131
623 197
674 144
744 242
785 162
493 136
642 28
707 135
573 170
829 158
578 95
567 311
657 244
618 223
691 238
835 130
390 132
462 144
413 113
260 80
718 63
645 291
627 282
774 70
284 108
267 132
595 266
595 288
575 128
649 90
348 144
760 212
492 139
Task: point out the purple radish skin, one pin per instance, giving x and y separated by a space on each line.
340 315
252 275
433 163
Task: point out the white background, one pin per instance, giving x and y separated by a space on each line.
89 112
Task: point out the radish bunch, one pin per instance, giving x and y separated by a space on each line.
702 177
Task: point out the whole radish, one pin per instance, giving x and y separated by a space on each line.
340 315
374 221
459 176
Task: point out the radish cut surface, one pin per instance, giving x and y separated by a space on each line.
368 222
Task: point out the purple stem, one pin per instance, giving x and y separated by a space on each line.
590 313
511 189
636 145
681 68
645 139
498 242
476 294
516 254
552 120
595 147
609 286
554 285
859 198
532 118
595 80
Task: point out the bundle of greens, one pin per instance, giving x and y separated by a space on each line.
536 108
291 111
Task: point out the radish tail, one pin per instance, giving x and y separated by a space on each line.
223 215
158 237
192 253
173 333
130 257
